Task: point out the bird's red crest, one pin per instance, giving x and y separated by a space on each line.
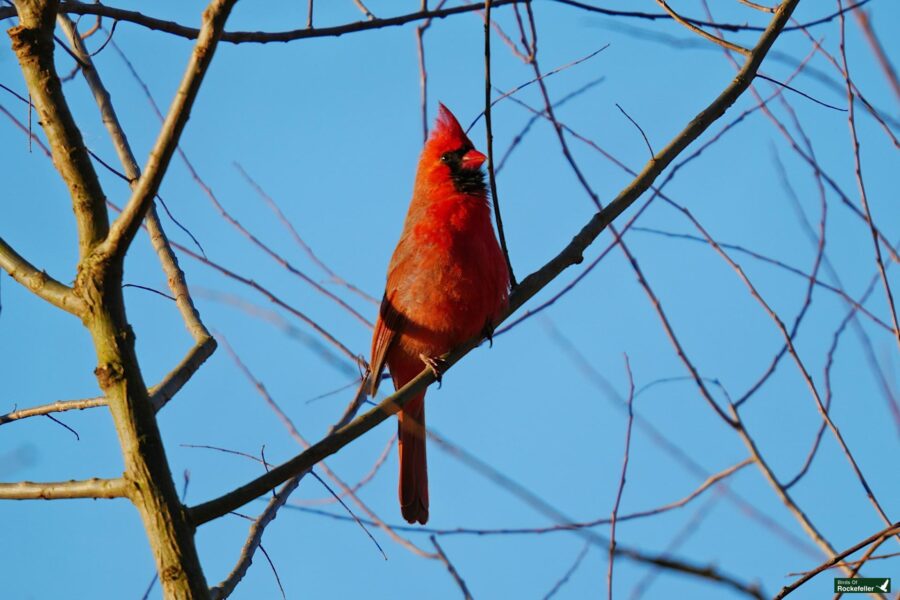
447 133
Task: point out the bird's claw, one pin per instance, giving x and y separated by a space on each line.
488 333
436 365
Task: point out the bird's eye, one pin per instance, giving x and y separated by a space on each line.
445 157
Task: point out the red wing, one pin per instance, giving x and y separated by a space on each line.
387 327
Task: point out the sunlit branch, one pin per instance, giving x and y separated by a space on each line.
33 44
127 224
890 530
38 282
55 407
88 488
205 344
701 32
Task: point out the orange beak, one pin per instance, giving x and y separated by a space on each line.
473 159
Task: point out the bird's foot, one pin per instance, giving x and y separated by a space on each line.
488 333
437 365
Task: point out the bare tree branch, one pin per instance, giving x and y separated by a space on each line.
160 394
127 224
205 344
863 196
625 456
701 32
99 283
33 44
38 282
88 488
569 572
117 14
254 540
453 572
489 135
335 278
889 531
46 409
757 6
865 24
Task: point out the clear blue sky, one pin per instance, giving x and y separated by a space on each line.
331 129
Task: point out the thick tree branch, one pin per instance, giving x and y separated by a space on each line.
205 343
38 282
32 41
126 225
88 488
99 284
531 285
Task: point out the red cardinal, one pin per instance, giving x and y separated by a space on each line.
446 283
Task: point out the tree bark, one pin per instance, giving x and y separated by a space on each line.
149 483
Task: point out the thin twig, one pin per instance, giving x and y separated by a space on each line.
376 467
254 540
856 563
865 24
453 572
829 362
160 394
639 128
625 454
889 531
839 292
522 86
270 202
684 533
63 425
863 196
237 37
712 480
797 360
274 571
805 95
295 433
364 10
534 118
701 32
757 6
569 572
347 508
490 140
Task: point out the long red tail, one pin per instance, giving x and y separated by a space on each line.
413 467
